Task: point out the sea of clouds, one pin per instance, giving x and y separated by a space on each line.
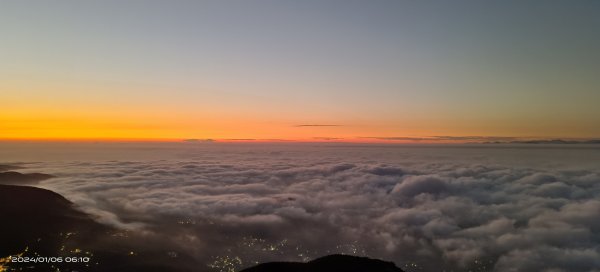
427 208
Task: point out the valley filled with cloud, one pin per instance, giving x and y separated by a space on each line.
427 208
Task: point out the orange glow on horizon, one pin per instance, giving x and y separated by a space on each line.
142 125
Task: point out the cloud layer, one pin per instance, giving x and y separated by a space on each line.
425 208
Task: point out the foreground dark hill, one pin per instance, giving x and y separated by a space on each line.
331 263
40 223
30 215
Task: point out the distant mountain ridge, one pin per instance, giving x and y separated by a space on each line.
16 178
549 141
6 167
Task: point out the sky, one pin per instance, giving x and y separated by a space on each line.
299 70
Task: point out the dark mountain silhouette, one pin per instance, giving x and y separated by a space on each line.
30 213
331 263
550 141
16 178
41 222
38 222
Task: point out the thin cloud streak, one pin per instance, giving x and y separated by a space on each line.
480 139
318 125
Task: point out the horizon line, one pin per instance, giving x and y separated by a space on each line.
357 140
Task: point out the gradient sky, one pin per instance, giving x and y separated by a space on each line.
266 69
